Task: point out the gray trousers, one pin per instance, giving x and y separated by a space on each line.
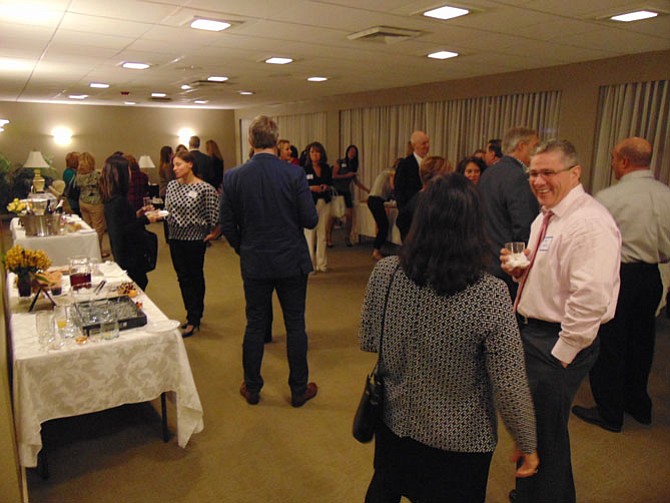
553 389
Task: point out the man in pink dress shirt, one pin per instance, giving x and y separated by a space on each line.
569 290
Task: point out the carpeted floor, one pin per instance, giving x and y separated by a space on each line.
274 453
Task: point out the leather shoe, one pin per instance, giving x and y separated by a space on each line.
592 416
640 418
310 392
512 495
251 397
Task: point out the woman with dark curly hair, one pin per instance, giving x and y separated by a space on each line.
451 354
471 168
319 178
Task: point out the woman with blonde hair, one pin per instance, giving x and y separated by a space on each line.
90 203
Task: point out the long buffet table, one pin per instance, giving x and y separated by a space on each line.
136 367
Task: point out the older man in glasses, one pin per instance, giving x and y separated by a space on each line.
567 289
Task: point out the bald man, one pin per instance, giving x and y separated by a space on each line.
407 180
640 206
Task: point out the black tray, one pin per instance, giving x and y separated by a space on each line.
129 315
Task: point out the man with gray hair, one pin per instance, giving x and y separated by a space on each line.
265 205
640 206
508 201
407 181
567 290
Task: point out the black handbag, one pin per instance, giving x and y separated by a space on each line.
369 412
150 251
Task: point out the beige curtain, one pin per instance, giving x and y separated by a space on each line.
302 129
632 109
456 127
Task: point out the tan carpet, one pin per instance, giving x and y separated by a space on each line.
275 453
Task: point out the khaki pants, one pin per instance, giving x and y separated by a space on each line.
94 216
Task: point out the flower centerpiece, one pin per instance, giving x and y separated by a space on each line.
25 263
16 206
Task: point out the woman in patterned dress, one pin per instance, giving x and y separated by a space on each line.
450 350
194 212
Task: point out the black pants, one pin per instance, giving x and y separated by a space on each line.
188 260
619 377
553 389
405 467
376 205
292 292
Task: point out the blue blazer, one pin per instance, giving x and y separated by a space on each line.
265 206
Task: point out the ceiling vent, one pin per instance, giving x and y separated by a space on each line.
165 99
384 34
205 82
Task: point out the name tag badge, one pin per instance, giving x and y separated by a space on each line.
310 176
545 243
192 194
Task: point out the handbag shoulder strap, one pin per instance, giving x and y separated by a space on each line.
381 334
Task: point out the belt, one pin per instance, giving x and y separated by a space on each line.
524 321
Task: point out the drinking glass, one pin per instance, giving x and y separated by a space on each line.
80 272
44 326
517 256
146 201
109 323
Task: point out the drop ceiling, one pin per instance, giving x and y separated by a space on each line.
63 45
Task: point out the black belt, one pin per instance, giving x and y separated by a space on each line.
524 321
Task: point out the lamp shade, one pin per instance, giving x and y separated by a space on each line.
146 162
35 160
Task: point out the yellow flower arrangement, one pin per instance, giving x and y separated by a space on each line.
19 260
16 206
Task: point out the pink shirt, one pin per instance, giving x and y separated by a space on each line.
575 278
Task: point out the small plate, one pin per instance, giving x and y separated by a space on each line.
162 326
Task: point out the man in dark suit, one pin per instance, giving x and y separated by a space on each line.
407 181
508 201
265 205
204 164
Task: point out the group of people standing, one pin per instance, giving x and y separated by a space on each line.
534 329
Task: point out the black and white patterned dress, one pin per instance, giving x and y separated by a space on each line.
445 361
194 210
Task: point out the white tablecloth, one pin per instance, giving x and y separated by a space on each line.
136 367
59 248
364 223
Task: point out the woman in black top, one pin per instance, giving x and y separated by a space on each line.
319 178
124 225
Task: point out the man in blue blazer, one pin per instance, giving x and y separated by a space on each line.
265 205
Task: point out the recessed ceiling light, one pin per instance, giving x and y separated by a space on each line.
216 78
443 55
317 79
158 95
278 61
246 93
185 87
209 24
446 12
201 102
135 66
99 85
634 16
78 96
130 102
3 122
8 64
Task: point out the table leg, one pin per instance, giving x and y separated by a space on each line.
164 422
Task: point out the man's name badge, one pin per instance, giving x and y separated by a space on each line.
545 243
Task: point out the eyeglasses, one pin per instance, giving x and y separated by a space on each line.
548 173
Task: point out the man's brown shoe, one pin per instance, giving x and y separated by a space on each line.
251 397
310 392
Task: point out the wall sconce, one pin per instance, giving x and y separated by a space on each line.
184 135
36 161
62 135
3 122
146 162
